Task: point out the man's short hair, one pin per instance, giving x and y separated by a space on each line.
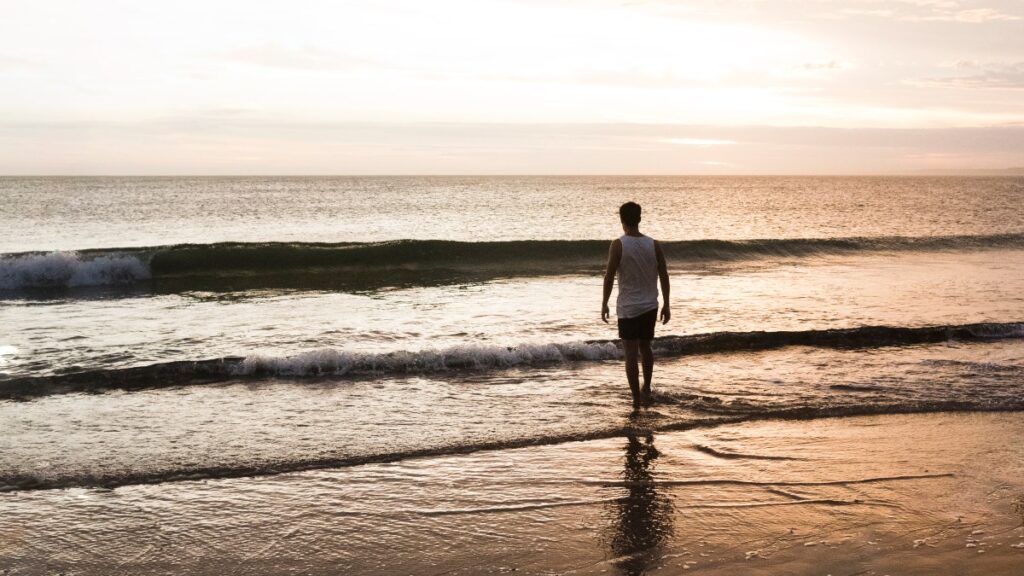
629 213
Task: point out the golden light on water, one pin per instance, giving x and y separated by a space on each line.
6 351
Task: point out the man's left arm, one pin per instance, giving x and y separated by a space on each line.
666 311
614 256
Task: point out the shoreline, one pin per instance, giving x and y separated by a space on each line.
757 497
16 484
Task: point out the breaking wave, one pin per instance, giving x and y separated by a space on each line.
68 269
340 363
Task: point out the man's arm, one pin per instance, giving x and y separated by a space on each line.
614 256
666 312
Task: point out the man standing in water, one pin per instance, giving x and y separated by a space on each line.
640 263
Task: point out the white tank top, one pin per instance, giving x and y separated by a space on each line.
638 277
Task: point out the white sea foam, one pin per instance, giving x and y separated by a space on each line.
68 269
338 362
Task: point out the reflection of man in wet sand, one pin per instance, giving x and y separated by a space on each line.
643 518
640 264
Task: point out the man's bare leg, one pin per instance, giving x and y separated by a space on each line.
647 357
631 349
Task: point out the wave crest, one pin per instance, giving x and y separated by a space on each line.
68 269
339 362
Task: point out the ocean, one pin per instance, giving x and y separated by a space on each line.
263 320
160 330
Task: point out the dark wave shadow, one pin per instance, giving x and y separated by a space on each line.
356 267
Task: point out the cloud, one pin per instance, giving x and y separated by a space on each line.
928 11
8 62
827 65
699 142
976 16
881 13
272 55
985 75
964 11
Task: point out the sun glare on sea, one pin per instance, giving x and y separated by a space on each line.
6 351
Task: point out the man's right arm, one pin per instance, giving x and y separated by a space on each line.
614 256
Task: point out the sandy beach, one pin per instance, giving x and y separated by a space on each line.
895 494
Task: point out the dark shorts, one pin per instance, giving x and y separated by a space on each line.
638 327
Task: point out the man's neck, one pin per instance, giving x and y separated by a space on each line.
633 232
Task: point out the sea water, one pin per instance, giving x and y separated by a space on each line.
154 329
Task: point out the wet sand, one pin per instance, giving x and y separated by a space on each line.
895 494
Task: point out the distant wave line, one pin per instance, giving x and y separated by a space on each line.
178 265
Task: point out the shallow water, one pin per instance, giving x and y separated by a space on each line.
897 494
251 427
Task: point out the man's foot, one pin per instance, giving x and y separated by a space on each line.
646 396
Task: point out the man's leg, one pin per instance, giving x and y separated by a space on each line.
631 348
647 357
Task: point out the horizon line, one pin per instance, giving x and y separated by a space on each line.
951 173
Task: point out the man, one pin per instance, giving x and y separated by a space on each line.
640 264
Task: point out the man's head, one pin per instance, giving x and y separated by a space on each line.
629 213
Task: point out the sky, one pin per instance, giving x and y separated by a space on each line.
511 87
